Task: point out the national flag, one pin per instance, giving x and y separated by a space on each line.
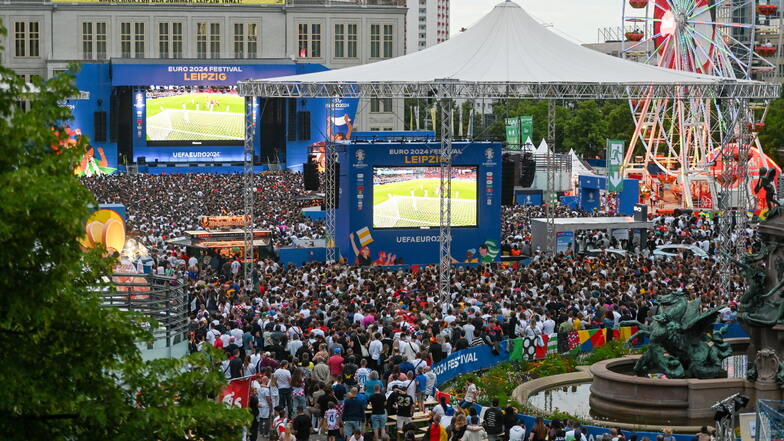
552 344
236 393
541 351
364 236
627 332
516 354
440 394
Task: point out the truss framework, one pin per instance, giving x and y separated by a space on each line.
447 90
502 90
248 188
445 204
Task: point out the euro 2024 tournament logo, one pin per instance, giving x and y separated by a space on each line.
360 155
489 154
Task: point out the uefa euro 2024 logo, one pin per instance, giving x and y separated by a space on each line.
489 154
360 155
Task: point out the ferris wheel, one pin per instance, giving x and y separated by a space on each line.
675 141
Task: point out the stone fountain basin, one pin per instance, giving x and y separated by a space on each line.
656 400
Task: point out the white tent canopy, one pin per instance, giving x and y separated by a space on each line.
578 166
506 53
543 149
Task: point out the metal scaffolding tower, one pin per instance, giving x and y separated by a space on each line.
445 204
248 187
550 198
330 187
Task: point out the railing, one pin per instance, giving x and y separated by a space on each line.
163 299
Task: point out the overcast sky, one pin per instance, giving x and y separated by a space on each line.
574 19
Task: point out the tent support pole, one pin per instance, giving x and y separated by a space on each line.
550 193
247 190
330 186
445 204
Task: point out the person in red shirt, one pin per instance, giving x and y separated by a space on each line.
335 363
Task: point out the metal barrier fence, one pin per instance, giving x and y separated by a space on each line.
161 298
770 420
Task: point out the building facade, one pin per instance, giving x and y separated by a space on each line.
427 24
45 36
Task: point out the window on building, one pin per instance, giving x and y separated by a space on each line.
346 40
246 37
27 39
375 41
170 40
208 40
387 41
381 105
94 40
25 105
309 38
340 40
132 39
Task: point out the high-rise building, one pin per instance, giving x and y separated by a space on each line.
427 24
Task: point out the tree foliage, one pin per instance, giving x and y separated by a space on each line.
580 125
70 368
772 138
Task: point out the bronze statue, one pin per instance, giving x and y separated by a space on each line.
682 341
765 182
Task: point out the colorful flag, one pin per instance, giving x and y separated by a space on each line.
236 393
552 344
592 338
541 351
574 340
516 354
364 236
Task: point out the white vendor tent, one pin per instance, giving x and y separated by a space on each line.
542 150
506 53
579 167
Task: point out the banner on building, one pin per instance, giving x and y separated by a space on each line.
176 2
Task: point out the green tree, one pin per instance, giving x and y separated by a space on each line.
585 130
70 368
772 138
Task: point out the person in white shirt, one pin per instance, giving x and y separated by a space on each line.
283 377
517 433
361 375
469 329
408 348
294 345
374 350
548 326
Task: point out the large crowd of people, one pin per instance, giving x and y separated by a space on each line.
346 351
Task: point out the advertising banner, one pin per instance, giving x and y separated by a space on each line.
185 74
210 222
513 133
175 2
563 241
518 130
526 128
615 151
